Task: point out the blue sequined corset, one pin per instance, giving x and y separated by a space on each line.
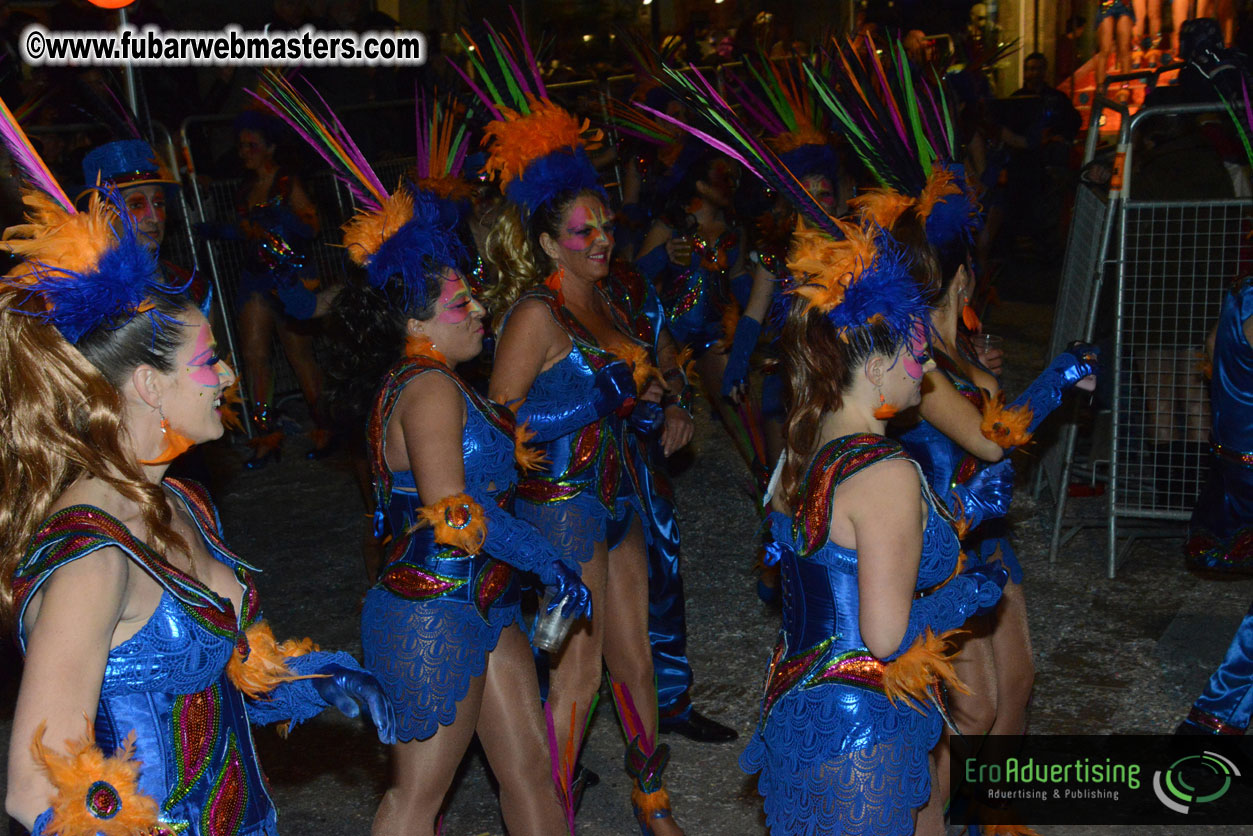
418 568
168 684
820 591
697 297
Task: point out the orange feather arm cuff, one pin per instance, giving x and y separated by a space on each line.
264 667
95 793
458 521
1007 426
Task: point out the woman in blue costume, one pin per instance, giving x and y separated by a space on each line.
870 582
1221 533
276 220
130 609
571 365
440 629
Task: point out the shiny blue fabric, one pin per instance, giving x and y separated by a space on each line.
1222 522
695 296
425 652
940 459
1221 530
168 683
834 758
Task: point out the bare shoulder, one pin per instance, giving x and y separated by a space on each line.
880 487
431 393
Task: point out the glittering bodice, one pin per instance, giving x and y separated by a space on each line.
820 598
418 568
167 683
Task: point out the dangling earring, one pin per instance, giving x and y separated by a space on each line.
420 345
885 410
970 319
176 444
553 282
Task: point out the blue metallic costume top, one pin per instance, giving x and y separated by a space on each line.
696 297
586 481
168 683
436 612
1221 532
947 465
833 753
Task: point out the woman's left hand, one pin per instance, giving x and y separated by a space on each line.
347 689
678 429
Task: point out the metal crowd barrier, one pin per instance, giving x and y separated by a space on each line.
1172 262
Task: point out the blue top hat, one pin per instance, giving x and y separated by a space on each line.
123 164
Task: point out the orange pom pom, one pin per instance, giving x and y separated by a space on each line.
365 232
827 266
515 141
883 206
928 661
940 185
95 794
528 458
636 356
685 359
886 411
1007 426
649 804
458 522
51 235
971 319
420 345
265 667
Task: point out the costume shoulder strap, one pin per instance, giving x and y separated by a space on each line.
81 530
837 461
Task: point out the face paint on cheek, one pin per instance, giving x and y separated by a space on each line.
915 356
455 302
202 368
583 228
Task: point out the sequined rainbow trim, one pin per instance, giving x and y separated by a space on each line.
196 721
1209 721
228 799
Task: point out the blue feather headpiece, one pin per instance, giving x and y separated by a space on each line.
949 207
564 171
859 281
419 249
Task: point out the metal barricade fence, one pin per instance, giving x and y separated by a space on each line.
1172 261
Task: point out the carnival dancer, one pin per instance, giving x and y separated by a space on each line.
277 221
567 360
852 703
1220 536
130 609
648 443
966 428
440 629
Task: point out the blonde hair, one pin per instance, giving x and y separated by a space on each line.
60 419
509 251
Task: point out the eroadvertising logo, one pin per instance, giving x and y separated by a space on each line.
1174 788
1141 779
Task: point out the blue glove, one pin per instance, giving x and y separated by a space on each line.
349 689
612 388
518 543
1068 368
947 608
571 593
747 330
298 301
646 418
988 493
216 231
991 578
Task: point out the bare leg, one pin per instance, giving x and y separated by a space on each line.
256 329
1105 39
1142 18
1178 14
422 771
626 645
512 730
574 676
1123 31
1015 669
299 350
974 713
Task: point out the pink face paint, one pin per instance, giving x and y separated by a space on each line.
916 353
456 304
202 368
585 226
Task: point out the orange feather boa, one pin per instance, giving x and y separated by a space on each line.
1007 426
928 661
